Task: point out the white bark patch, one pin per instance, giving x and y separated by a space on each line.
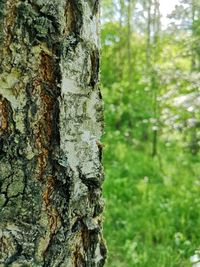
98 254
90 25
8 81
69 148
69 86
86 136
80 190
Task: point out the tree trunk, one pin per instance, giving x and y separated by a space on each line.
50 125
148 43
156 25
129 33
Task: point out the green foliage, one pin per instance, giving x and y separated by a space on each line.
152 215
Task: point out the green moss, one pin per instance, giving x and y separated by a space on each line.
2 200
42 26
35 24
2 5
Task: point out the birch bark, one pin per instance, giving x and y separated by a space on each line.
51 121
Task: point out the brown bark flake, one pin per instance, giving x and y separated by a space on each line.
47 68
43 128
3 115
9 22
52 213
70 18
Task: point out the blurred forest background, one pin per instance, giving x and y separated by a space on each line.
151 88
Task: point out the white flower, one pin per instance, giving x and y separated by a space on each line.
194 259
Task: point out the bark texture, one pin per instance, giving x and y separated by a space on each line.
50 125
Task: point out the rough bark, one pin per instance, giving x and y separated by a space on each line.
50 125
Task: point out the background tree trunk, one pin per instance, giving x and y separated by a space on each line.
50 125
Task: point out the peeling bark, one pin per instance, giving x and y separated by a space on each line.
51 121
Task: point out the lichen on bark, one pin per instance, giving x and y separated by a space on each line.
51 121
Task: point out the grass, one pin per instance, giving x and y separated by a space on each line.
152 215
